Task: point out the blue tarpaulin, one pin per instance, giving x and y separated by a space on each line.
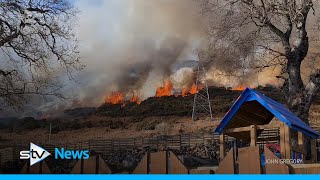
278 110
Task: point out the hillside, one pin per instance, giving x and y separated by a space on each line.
221 100
154 116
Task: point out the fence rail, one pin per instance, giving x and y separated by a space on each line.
109 145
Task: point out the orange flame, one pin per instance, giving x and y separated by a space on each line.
242 87
193 90
184 92
166 90
135 99
114 98
239 88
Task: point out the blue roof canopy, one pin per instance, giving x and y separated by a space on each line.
253 107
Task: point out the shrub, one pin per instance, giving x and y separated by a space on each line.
163 128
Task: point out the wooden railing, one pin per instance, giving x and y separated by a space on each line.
110 145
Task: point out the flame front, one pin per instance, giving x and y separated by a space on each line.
135 99
166 90
114 98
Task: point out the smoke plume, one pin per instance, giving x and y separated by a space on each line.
131 46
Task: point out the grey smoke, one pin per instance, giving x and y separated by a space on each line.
126 46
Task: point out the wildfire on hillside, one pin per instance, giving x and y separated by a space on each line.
162 91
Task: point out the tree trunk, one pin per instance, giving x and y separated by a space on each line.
299 97
300 106
294 91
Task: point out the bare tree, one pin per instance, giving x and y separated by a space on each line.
261 34
37 44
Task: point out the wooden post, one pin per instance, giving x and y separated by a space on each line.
49 134
180 141
157 143
112 145
81 166
300 144
314 150
300 138
14 152
167 162
222 146
282 147
142 142
253 135
287 142
97 164
148 161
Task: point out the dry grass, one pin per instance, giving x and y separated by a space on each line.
128 128
173 126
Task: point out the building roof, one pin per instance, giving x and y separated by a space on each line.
254 108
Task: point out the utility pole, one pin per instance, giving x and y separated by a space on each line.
49 133
201 103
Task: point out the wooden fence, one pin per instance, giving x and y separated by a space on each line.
109 145
173 142
6 154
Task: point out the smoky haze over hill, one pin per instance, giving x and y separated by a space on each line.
138 46
133 47
127 46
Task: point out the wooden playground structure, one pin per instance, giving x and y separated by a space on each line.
94 165
162 162
165 162
293 152
39 168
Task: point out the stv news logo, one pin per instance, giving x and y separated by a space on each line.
37 154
